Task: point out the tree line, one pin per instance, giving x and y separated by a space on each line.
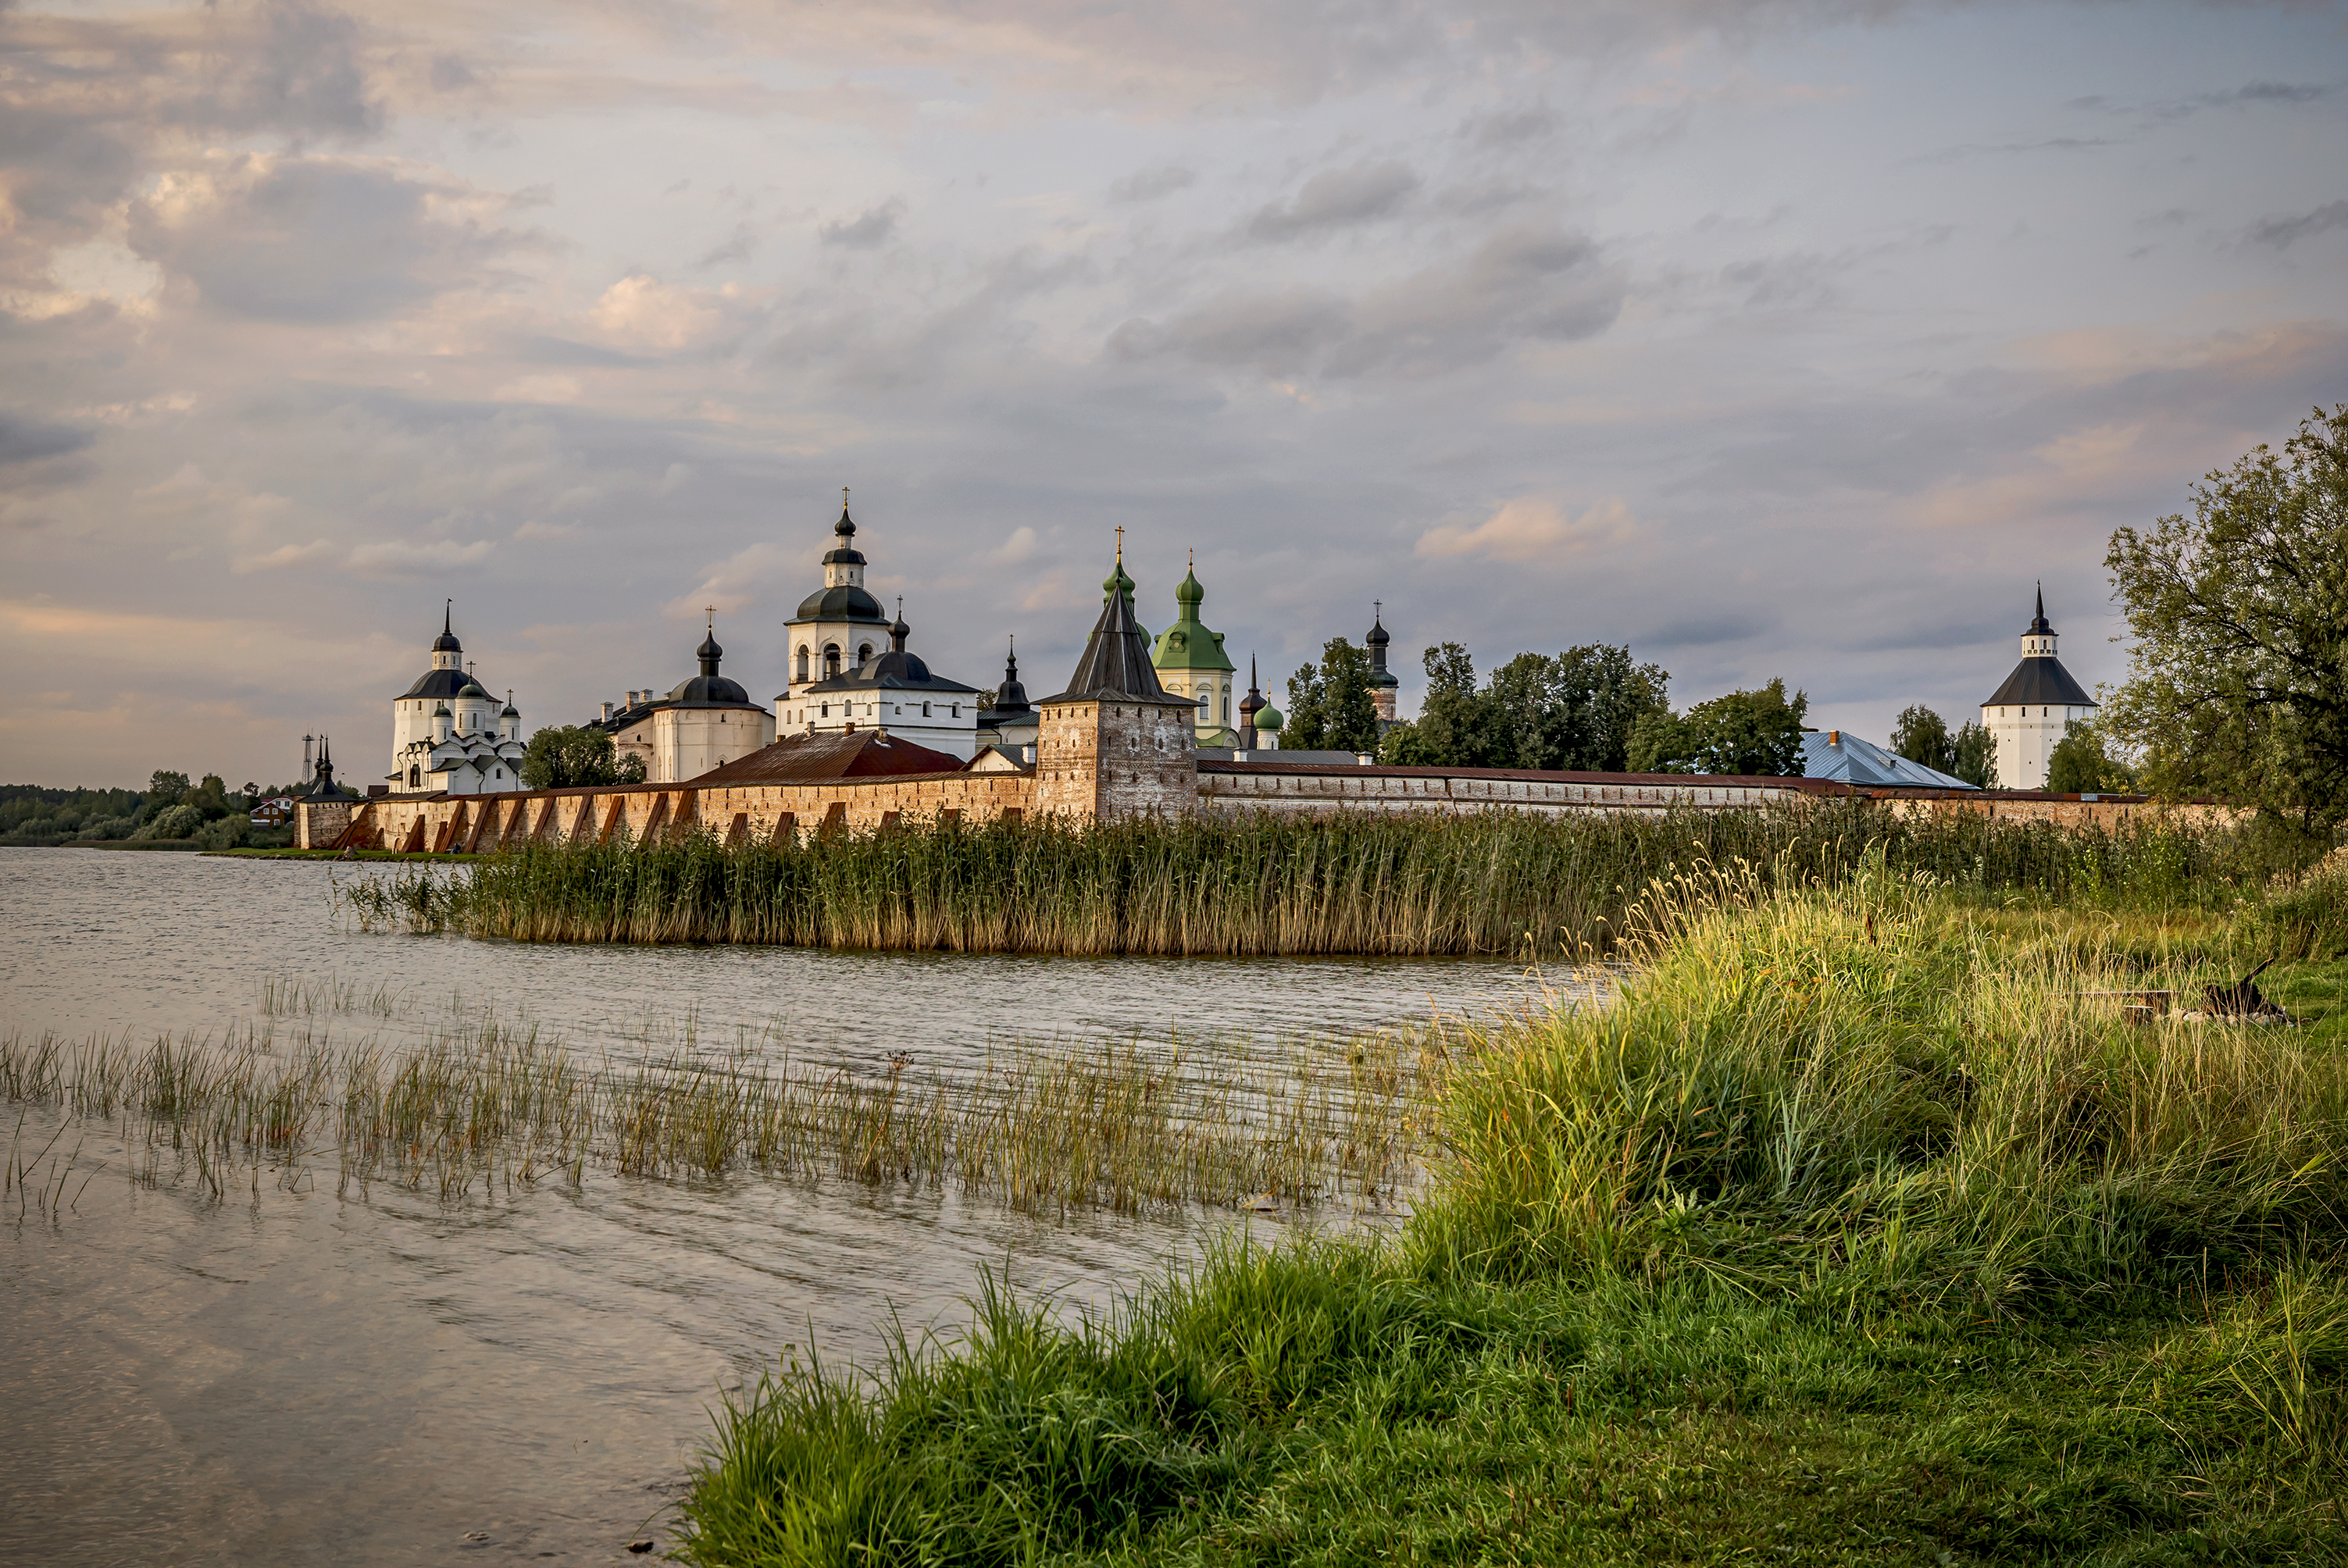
1591 709
171 807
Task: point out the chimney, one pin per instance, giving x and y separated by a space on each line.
1834 737
607 713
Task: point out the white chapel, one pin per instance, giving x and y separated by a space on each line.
2033 710
448 736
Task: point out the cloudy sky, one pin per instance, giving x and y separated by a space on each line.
1781 339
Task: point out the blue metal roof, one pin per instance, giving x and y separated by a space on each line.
1842 757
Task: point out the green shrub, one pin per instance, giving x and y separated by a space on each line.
110 829
228 832
179 821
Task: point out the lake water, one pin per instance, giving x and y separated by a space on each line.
298 1377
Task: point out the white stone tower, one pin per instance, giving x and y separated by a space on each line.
2037 704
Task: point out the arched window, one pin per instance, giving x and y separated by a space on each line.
925 710
864 655
414 777
803 663
831 661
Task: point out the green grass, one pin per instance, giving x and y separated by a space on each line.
1340 883
1860 1230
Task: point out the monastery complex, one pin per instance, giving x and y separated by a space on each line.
866 736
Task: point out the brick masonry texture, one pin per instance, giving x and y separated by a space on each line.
1098 759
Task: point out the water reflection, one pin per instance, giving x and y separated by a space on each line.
298 1377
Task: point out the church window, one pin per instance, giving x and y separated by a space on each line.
831 661
803 662
925 710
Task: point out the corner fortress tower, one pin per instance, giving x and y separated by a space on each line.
1116 742
2029 713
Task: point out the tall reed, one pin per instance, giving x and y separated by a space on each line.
493 1106
1257 883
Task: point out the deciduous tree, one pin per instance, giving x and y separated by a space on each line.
1329 705
569 756
2237 682
1755 732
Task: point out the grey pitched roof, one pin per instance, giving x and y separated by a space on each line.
2040 679
1117 655
1842 757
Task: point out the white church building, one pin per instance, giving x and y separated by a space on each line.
849 668
448 736
2034 709
704 721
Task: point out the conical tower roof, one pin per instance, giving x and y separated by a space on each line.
1115 664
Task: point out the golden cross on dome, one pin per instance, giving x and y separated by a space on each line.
1120 544
711 611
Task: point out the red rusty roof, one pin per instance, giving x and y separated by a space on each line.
812 759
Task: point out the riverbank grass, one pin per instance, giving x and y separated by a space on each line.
1865 1227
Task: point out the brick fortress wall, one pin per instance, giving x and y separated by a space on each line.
1114 759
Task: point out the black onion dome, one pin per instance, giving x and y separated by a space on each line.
842 603
1378 637
845 552
1011 697
709 648
711 691
442 683
447 641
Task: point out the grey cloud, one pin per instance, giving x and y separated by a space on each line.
451 73
2280 232
1149 184
1278 334
869 232
27 440
541 350
1707 631
303 75
2044 144
316 241
735 247
1505 128
2248 93
1523 284
1337 199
